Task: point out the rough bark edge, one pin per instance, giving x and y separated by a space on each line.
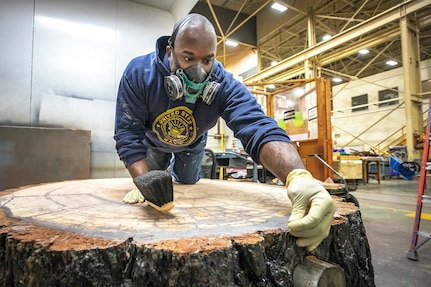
266 258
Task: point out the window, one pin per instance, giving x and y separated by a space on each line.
426 86
385 97
360 102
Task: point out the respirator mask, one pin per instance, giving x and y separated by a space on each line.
192 83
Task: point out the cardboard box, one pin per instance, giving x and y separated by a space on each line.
349 169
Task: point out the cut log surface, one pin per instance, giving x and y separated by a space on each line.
220 233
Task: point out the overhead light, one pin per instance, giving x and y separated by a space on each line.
273 63
231 43
271 86
391 63
326 37
279 7
363 51
337 80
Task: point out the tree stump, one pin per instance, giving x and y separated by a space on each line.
220 233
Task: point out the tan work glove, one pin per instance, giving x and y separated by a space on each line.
134 196
312 209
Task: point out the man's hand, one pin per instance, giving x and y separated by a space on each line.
134 196
312 209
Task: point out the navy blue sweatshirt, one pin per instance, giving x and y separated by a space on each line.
145 116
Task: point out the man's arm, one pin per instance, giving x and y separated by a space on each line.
137 168
131 115
312 205
280 158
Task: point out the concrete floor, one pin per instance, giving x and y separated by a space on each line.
388 214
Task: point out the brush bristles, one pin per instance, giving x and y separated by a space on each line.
156 187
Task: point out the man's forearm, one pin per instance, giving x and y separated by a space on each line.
280 158
138 168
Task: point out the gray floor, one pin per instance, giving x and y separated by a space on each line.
387 211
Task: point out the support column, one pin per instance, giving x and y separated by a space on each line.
412 84
310 63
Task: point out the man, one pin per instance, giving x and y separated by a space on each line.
169 99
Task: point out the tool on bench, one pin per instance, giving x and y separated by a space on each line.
344 190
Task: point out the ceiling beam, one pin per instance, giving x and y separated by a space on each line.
350 34
338 55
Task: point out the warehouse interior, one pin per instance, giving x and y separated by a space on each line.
350 82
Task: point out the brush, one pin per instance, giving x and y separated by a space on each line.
157 189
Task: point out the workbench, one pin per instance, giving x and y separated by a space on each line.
366 162
236 160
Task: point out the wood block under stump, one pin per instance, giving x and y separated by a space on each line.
220 233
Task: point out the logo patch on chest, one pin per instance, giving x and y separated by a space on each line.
176 126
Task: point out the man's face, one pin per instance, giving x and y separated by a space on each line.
192 46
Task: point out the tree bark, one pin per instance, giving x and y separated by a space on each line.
220 233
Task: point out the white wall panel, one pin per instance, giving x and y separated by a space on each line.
16 38
180 8
61 62
75 113
74 50
138 29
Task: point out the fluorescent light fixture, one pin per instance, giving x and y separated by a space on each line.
363 51
231 43
279 7
337 80
391 63
326 37
273 63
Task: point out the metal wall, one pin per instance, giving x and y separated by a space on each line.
61 61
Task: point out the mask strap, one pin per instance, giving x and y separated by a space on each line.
177 64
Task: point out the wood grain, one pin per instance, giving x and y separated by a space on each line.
220 233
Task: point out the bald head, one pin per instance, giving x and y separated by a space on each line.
193 28
193 42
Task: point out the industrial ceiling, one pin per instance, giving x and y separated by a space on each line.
283 40
353 25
